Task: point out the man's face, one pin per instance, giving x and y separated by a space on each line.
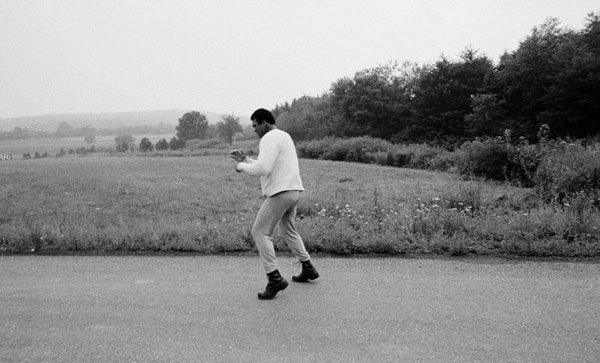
260 129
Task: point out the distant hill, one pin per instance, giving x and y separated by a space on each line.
112 120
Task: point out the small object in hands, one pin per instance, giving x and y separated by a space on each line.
237 155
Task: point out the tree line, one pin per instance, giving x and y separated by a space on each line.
553 78
192 126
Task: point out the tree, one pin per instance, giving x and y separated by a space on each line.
146 145
443 96
64 129
308 118
280 109
125 143
212 131
572 103
192 125
229 127
20 133
553 78
176 144
90 139
376 102
162 144
487 116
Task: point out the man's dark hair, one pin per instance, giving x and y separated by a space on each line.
261 115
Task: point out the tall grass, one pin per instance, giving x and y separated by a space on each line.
201 204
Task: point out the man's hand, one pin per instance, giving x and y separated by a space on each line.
237 155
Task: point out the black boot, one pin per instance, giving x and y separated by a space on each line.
276 283
309 272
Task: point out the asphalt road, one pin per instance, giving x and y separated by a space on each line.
203 309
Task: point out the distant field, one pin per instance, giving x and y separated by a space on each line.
141 203
52 145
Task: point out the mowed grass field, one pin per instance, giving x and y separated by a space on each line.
53 145
136 203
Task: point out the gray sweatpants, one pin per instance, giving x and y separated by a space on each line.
280 208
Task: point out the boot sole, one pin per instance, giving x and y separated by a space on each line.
283 287
307 279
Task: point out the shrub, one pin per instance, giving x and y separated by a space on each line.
197 144
488 159
84 151
369 150
525 160
162 144
422 155
443 161
357 149
176 144
568 169
124 143
555 168
353 149
312 149
497 159
146 145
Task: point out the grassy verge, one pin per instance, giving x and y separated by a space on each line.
199 204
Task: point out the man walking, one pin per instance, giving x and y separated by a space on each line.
277 166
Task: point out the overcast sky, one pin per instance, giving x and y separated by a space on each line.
223 56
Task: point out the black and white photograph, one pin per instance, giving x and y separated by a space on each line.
299 181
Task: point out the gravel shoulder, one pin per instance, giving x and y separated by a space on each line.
204 308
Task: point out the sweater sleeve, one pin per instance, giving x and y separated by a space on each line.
266 159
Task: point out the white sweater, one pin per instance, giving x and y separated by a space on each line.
277 164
